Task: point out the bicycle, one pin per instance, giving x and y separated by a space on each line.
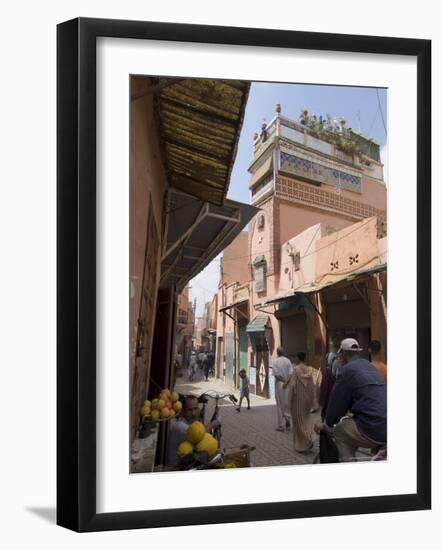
238 456
216 432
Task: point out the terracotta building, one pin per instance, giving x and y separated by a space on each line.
233 310
184 328
311 179
205 330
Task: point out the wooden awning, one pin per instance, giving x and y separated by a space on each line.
200 123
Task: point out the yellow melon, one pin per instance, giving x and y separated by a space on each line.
196 432
209 444
184 448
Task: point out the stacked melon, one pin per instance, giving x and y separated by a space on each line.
163 407
199 440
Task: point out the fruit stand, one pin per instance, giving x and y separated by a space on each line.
200 449
152 414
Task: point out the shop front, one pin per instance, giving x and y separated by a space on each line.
348 316
260 333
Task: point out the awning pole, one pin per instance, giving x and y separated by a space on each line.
324 320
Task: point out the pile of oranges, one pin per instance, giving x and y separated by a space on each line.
163 407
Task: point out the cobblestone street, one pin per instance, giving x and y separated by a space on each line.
255 427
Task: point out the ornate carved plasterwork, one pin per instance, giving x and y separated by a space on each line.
312 195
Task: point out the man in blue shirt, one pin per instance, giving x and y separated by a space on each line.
360 390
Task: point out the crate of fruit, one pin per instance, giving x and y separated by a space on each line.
238 457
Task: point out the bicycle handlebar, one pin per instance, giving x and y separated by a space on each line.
202 397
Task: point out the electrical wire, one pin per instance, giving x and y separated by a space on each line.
305 254
380 110
308 254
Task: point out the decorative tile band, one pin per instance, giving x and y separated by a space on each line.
310 194
318 172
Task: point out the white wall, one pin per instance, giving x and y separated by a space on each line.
27 218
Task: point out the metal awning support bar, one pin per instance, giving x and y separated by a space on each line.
189 257
228 315
201 215
220 238
235 307
236 219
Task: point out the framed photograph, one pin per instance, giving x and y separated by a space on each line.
230 201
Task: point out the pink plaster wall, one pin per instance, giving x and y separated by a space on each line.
303 243
183 299
234 260
360 238
147 181
382 249
296 218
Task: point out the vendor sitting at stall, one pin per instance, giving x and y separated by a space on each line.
178 428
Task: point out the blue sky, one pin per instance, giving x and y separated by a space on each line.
361 107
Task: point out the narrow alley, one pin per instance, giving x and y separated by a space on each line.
255 427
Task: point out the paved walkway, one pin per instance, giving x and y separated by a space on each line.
255 427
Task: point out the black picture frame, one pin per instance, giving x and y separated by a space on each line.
76 273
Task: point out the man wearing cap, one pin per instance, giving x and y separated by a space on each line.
360 390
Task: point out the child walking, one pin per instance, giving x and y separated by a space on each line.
244 390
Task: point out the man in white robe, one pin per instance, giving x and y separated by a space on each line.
282 371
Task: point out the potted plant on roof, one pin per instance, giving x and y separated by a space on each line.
303 117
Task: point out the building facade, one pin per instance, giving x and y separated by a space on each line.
316 251
233 351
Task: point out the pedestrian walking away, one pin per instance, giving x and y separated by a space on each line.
192 365
244 390
282 370
208 363
205 367
301 390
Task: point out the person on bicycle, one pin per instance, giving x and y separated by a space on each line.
178 428
361 390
